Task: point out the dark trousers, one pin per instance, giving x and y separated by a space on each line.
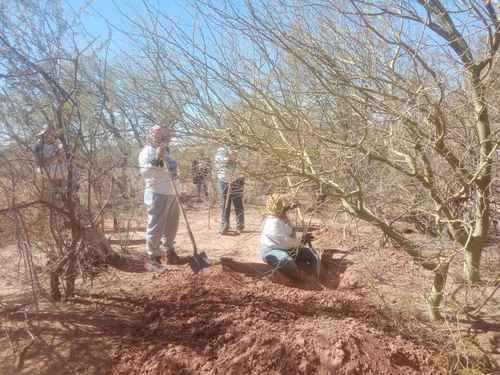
235 197
201 186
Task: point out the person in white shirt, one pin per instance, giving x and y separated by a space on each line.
231 187
280 246
159 198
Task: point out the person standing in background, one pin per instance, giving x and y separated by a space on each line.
231 186
200 171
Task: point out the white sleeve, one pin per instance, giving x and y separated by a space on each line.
146 156
281 235
221 158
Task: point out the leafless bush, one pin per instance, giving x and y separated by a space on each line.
51 78
382 105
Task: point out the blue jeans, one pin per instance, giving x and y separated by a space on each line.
286 260
235 198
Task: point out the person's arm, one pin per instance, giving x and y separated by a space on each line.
221 160
160 158
49 154
221 157
149 163
281 235
59 154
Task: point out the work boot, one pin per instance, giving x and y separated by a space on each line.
240 228
224 229
173 258
153 264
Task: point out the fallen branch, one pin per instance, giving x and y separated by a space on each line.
11 309
19 206
22 354
22 206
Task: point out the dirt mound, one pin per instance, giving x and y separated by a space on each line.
221 322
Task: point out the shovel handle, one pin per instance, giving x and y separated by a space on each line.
190 232
228 195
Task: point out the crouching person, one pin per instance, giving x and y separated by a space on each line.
280 247
160 199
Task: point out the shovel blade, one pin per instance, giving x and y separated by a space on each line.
318 262
199 262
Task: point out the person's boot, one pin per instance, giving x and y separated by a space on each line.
174 259
224 229
240 228
153 264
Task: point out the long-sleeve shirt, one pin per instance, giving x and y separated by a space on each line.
200 168
157 179
278 234
225 168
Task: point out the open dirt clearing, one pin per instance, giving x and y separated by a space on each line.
229 319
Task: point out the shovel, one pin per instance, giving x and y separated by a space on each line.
197 261
318 258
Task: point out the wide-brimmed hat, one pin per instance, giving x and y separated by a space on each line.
278 203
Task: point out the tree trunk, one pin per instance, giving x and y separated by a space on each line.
471 264
70 277
483 181
436 295
55 293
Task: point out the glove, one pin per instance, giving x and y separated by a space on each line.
157 163
292 206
